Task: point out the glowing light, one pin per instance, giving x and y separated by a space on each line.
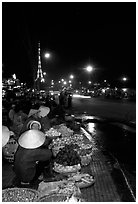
104 80
64 82
47 55
103 90
124 79
124 89
42 80
14 76
59 82
44 73
80 96
69 81
71 76
89 68
89 82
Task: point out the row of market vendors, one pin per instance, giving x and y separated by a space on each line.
39 151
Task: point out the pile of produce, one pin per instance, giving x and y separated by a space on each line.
82 180
66 187
85 149
67 156
65 131
70 149
52 133
75 139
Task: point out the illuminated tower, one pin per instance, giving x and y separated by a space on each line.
39 71
39 78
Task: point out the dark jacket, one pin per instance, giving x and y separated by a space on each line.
26 161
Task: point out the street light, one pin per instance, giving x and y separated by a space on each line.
89 68
71 76
47 55
124 79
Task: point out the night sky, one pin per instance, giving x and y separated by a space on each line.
75 33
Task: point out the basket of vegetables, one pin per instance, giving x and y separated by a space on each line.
67 160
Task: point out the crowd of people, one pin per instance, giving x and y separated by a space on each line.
27 121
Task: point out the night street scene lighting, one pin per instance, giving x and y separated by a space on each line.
68 101
71 76
89 68
47 55
124 79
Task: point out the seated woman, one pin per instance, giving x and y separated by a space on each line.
39 115
18 119
32 156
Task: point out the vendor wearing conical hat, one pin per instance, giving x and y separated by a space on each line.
39 115
33 148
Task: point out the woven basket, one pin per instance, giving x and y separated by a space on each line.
9 150
19 195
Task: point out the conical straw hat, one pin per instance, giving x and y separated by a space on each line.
5 135
31 139
33 112
43 111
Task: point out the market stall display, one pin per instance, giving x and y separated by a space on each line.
54 198
52 133
19 195
64 130
82 180
60 198
63 186
67 160
71 152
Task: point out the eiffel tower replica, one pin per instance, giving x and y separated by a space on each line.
40 77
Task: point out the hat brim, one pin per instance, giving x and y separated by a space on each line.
44 111
31 139
5 135
33 112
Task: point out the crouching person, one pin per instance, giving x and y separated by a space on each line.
31 157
